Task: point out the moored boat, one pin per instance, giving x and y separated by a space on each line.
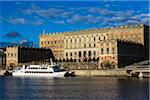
44 70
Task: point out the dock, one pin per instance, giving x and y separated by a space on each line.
141 69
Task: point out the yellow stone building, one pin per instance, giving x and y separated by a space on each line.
53 41
17 55
102 43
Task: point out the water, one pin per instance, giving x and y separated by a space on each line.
77 88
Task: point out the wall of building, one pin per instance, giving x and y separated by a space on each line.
2 59
87 44
146 42
129 52
108 52
26 55
53 42
19 55
12 56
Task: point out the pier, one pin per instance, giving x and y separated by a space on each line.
141 69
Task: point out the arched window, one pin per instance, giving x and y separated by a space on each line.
94 39
94 45
84 45
79 39
89 53
71 40
41 42
107 50
84 53
113 50
66 54
104 37
94 53
71 54
79 53
89 45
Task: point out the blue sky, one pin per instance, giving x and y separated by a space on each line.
24 20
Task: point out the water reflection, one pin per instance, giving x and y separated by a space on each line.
78 88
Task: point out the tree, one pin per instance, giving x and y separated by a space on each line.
59 60
63 60
71 60
67 60
94 59
74 60
107 65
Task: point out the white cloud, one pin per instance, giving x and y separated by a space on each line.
59 22
83 15
17 21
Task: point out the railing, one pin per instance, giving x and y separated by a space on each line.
138 68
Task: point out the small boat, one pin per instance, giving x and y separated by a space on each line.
44 70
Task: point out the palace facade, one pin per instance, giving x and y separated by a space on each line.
54 42
103 44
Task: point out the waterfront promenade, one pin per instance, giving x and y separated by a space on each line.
101 73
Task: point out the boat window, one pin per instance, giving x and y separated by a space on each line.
56 69
43 68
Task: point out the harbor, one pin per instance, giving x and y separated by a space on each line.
71 50
76 88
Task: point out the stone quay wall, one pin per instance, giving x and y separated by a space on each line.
79 65
101 73
92 69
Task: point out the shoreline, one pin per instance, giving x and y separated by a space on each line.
101 73
93 73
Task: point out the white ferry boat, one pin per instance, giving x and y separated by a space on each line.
40 71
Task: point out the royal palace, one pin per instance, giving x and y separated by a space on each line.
121 45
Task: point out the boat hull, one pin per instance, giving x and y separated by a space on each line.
56 74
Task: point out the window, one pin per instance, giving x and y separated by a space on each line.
79 39
71 40
113 50
89 53
75 54
11 54
107 50
102 51
84 45
94 39
104 37
71 54
84 53
48 42
75 39
79 53
94 53
89 45
94 45
66 54
14 55
42 43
